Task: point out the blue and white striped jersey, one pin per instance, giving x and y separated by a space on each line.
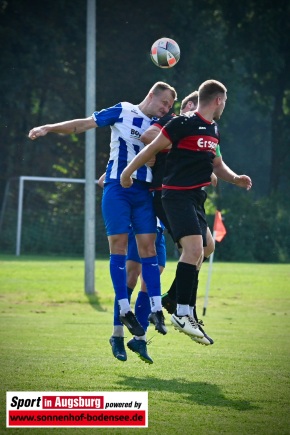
127 123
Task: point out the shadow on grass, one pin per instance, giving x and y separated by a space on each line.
95 303
201 393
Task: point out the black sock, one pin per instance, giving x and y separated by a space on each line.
185 279
194 313
194 291
172 291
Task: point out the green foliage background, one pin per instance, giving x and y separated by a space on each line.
42 80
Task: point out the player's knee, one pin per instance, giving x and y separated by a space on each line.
210 244
193 255
146 245
146 251
209 249
118 244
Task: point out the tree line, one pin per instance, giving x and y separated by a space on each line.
246 46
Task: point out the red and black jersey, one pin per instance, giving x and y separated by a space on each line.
159 165
189 163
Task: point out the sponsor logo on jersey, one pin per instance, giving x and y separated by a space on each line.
135 134
198 143
207 144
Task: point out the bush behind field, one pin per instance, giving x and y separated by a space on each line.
257 229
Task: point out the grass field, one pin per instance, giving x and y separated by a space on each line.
55 338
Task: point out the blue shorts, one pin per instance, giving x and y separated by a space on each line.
159 243
123 207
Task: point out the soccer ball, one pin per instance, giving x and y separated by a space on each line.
165 53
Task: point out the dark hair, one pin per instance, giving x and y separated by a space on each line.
191 97
209 89
162 86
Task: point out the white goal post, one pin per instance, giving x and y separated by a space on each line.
22 179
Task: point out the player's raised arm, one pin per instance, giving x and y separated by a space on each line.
75 126
144 156
222 171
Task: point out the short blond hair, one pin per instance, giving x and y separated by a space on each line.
162 86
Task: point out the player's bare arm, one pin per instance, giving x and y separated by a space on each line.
142 158
150 134
222 171
147 137
75 126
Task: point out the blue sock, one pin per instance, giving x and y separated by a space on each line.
142 309
118 275
117 310
151 275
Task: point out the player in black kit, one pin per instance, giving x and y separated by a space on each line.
188 104
190 162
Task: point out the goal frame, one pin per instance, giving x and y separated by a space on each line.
24 178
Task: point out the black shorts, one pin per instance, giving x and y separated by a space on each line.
159 210
185 212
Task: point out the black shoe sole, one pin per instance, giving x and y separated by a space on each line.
137 330
159 327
